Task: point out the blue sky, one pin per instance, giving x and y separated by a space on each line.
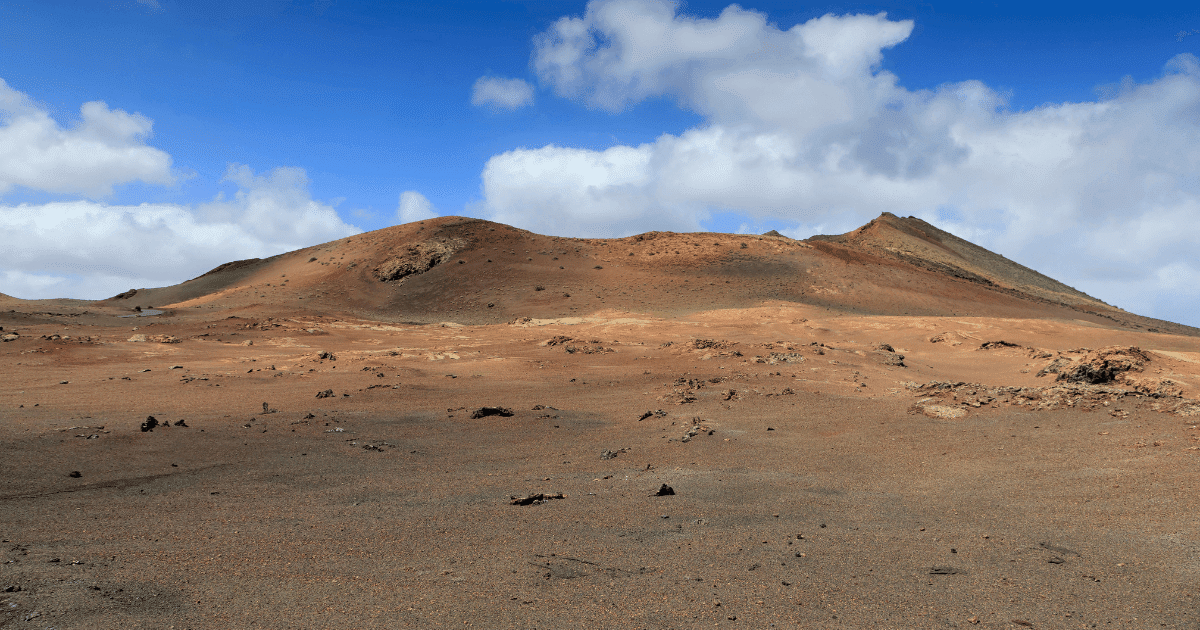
238 129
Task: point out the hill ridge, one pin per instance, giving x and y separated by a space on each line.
476 271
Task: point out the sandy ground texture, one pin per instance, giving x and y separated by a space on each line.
762 453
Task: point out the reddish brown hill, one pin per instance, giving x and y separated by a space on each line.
474 271
918 243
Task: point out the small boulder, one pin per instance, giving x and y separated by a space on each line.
483 412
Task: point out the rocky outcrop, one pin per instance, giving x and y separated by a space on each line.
415 260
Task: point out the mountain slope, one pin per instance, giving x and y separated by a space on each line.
924 245
475 271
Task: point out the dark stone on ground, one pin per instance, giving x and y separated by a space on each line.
491 411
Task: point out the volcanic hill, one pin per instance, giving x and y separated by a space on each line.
473 271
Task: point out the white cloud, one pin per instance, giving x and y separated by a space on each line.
414 207
801 126
105 148
500 93
86 249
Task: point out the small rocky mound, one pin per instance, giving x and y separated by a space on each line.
945 400
1104 365
712 344
887 355
155 339
415 260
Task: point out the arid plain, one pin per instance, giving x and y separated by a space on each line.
455 423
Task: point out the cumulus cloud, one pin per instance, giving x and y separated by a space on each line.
802 126
509 94
92 250
104 148
414 207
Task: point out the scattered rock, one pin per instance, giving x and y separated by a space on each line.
607 454
326 355
696 429
993 345
884 347
12 336
325 394
150 423
483 412
679 398
712 344
664 491
595 349
776 358
75 474
1165 393
140 338
535 499
180 423
658 413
